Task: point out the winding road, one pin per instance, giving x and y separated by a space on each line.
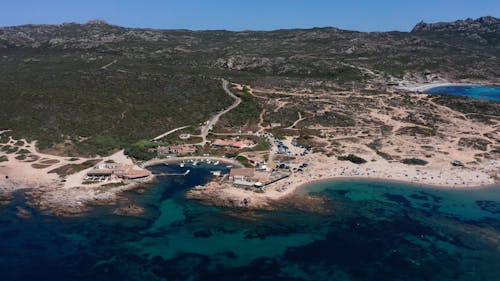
205 129
212 121
297 121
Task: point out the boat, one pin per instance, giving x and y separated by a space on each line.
195 163
229 166
216 163
216 173
181 165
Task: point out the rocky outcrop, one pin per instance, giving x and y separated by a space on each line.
130 210
481 25
225 195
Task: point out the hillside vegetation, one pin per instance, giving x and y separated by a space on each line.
101 87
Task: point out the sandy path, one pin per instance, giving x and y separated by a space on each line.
297 121
109 64
261 121
170 132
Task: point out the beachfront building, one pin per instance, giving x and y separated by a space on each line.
135 172
248 177
177 150
242 175
182 149
238 144
107 170
100 173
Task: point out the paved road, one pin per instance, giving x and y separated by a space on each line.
211 123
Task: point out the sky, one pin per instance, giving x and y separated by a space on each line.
362 15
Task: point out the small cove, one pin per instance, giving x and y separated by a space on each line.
491 93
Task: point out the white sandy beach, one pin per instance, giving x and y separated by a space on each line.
441 175
422 87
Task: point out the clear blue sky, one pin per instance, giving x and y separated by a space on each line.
363 15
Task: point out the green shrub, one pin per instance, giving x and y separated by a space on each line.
23 151
414 161
9 149
353 158
384 155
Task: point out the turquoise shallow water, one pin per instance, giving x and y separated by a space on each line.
491 93
364 230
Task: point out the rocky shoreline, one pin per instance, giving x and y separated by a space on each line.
76 201
225 195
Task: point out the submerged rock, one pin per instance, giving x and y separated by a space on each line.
130 210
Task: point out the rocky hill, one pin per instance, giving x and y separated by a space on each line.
324 52
484 31
103 85
480 25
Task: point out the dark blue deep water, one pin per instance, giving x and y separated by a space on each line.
348 230
491 93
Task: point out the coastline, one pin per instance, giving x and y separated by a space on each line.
49 183
384 180
76 201
68 198
223 194
422 87
295 188
437 175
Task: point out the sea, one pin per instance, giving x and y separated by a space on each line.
333 230
491 93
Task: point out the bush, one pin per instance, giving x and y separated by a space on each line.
353 158
384 155
242 159
139 152
231 154
9 149
414 161
23 151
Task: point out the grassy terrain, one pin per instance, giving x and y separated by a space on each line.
54 101
243 117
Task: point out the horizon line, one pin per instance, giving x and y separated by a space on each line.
103 21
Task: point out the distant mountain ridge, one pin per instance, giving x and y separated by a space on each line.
95 33
482 24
